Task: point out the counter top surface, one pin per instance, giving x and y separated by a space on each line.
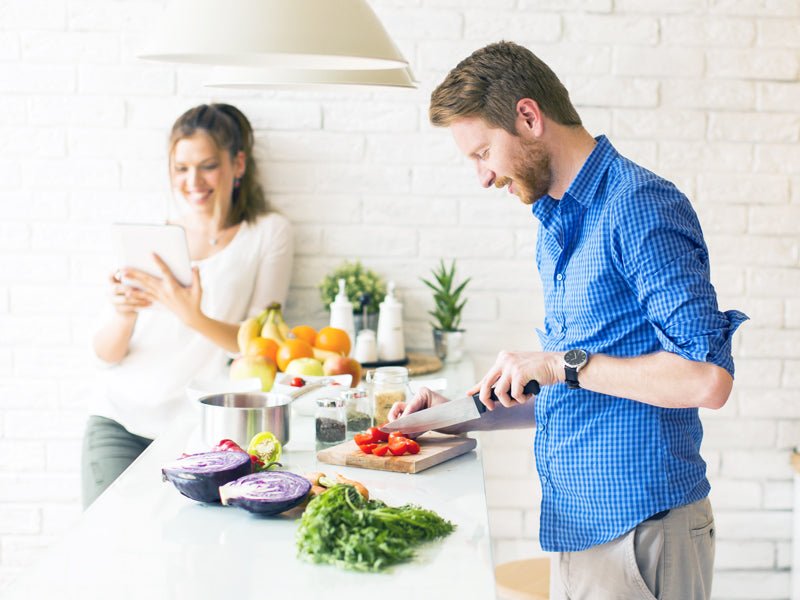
142 539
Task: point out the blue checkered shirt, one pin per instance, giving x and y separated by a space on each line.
625 273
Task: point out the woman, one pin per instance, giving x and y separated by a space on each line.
161 335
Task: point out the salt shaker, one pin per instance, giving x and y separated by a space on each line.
391 345
366 350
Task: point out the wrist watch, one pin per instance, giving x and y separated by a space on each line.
574 361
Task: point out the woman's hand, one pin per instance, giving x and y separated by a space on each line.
184 302
512 370
127 300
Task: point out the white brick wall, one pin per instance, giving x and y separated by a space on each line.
705 92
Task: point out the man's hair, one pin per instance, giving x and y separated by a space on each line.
489 83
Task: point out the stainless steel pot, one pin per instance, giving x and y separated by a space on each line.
240 415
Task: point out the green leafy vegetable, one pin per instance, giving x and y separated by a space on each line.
340 527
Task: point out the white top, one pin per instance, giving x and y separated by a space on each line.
146 390
142 539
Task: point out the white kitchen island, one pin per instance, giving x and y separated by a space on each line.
143 540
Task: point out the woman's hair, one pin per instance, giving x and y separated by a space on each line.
489 83
231 132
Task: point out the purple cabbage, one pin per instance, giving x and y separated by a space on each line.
199 476
266 493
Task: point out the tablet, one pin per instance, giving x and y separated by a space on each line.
135 243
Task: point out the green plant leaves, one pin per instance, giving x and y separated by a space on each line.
447 300
358 280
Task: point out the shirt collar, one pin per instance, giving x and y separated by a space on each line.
583 187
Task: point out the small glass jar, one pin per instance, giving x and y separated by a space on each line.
358 410
330 422
389 385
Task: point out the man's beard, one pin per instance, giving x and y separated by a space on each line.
531 172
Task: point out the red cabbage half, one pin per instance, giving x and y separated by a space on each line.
199 476
266 493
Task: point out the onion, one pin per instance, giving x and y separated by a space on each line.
199 476
266 493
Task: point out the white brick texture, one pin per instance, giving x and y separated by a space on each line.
703 93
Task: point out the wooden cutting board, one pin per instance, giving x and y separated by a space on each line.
435 448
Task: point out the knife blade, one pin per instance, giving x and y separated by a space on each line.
447 414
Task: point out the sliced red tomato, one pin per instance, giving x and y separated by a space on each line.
381 450
297 382
398 446
363 438
412 446
367 448
378 435
396 434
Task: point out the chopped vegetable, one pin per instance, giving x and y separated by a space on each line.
342 528
381 450
363 438
267 493
297 382
266 447
367 448
198 476
412 446
227 445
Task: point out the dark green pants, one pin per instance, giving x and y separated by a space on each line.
108 449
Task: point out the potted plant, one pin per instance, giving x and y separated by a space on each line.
448 338
364 287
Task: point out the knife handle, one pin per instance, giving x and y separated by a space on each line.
532 387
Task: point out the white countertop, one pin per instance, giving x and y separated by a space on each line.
142 539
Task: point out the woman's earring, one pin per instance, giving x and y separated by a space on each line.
236 183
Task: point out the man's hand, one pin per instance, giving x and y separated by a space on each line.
424 398
512 370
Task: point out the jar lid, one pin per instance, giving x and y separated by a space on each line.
353 394
391 375
330 402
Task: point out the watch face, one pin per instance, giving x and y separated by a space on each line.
575 357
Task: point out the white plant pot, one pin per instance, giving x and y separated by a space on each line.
449 345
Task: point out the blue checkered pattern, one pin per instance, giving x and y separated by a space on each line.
625 272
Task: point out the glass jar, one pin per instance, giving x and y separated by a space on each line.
388 385
358 410
330 422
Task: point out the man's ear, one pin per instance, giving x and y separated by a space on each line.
529 116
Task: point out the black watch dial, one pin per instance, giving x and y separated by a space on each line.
575 357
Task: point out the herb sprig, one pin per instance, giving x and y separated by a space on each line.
340 527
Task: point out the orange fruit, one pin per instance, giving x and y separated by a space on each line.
259 346
291 349
333 339
305 333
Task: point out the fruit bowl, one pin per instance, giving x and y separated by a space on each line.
305 404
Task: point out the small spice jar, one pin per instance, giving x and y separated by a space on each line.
358 411
331 422
389 385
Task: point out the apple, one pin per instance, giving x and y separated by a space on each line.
310 367
246 367
343 365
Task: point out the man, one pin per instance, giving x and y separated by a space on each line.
633 341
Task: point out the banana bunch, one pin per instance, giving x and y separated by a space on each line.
250 328
273 326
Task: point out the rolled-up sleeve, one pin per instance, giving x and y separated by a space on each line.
658 245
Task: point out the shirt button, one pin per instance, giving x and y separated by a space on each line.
560 277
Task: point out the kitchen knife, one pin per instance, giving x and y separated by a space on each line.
447 414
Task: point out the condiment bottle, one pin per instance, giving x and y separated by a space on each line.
366 350
391 345
330 422
389 385
358 411
342 314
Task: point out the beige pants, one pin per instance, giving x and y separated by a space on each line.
668 559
